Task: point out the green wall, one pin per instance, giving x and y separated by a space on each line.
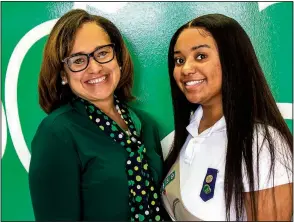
147 28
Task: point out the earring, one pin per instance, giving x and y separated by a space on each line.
63 82
120 67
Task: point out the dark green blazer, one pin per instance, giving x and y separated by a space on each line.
77 172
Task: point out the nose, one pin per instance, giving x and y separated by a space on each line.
189 67
94 66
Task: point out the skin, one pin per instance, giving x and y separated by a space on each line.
87 39
274 204
197 58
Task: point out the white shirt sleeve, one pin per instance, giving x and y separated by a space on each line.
282 169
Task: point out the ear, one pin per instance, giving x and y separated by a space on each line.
63 76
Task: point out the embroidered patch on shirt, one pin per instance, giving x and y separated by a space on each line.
207 191
167 180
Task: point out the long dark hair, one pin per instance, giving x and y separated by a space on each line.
247 100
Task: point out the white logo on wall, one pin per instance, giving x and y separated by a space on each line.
12 73
4 130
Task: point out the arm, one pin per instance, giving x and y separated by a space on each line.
54 177
273 194
274 204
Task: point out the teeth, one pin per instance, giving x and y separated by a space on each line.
93 81
191 83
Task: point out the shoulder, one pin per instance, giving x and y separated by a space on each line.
260 130
143 116
265 136
271 159
269 145
56 121
54 136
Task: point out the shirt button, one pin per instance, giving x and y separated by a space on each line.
198 140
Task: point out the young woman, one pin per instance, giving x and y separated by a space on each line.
232 153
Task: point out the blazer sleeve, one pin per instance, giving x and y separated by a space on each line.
54 177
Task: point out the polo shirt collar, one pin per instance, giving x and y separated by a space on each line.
195 118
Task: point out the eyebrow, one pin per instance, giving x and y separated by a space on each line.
195 48
83 53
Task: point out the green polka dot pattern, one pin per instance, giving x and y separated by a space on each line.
143 198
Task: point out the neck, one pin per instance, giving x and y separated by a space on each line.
213 111
211 114
107 106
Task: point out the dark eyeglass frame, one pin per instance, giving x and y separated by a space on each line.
65 60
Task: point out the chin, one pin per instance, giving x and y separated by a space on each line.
103 97
97 97
193 99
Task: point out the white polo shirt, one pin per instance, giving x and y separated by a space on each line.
208 150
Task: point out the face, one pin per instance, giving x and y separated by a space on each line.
98 81
197 70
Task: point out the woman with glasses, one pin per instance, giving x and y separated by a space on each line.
94 158
232 152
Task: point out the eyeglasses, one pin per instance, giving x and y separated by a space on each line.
79 62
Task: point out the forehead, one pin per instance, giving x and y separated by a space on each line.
192 37
88 37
